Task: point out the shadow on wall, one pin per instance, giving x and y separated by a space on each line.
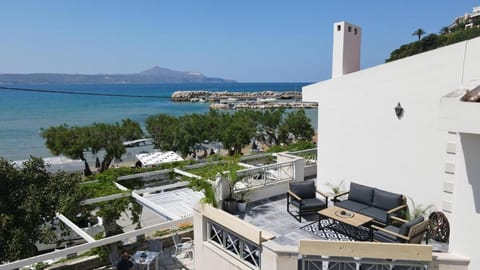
471 151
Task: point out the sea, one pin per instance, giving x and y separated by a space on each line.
24 114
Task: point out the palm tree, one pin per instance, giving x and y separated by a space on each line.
419 33
444 30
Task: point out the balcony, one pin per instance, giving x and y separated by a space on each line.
459 111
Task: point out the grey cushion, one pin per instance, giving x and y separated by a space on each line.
386 200
303 189
385 237
375 213
310 204
351 205
360 193
405 227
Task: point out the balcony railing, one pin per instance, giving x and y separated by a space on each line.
310 155
239 247
320 254
316 262
266 175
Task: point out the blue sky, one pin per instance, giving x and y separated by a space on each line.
249 41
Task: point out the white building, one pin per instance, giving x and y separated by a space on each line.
469 19
432 153
57 164
399 126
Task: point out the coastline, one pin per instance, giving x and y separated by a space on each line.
19 136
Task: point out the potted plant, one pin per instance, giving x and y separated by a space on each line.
230 202
335 189
242 201
418 210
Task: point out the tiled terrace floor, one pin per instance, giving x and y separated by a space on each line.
271 215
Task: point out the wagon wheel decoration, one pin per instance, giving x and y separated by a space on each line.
439 228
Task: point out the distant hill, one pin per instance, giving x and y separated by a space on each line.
153 75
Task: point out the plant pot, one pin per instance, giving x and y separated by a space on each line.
242 205
230 206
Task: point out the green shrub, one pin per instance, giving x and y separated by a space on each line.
432 42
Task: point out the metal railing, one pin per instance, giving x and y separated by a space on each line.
329 255
346 263
310 155
265 175
232 243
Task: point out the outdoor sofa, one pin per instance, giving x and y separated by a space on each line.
373 202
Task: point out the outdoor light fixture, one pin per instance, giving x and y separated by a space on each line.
399 110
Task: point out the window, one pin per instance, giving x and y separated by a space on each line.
339 27
355 31
349 29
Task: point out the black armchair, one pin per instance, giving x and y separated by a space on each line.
302 195
409 231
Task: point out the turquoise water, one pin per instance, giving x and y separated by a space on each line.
24 114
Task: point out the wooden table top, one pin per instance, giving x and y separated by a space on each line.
356 220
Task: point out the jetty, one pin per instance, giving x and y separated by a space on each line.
245 100
212 96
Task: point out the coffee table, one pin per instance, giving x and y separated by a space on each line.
353 219
145 258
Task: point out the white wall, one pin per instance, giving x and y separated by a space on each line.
361 139
466 219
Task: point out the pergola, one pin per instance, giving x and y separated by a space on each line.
183 198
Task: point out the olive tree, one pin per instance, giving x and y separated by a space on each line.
74 141
29 198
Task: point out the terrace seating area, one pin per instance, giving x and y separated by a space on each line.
270 214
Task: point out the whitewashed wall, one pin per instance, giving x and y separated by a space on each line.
361 139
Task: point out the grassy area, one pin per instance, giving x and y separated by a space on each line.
301 145
209 171
100 188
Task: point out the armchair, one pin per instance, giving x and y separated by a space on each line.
302 195
411 232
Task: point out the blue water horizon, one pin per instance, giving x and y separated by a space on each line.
24 114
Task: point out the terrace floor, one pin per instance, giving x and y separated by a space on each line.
271 215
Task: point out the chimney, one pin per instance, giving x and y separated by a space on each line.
346 48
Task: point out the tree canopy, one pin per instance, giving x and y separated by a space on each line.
234 130
29 198
74 141
297 124
434 41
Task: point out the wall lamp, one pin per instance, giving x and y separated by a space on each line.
399 111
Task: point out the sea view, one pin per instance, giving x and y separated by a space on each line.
24 114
